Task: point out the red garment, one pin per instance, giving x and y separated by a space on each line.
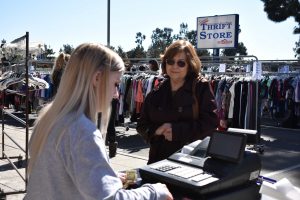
156 83
139 97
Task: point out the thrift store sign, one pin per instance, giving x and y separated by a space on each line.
219 31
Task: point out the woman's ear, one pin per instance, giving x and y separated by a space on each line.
96 78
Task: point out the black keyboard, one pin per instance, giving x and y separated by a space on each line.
209 177
185 172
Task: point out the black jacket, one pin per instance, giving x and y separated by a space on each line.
161 106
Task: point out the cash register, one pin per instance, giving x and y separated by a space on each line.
219 167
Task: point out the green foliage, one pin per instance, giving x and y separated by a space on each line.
137 52
191 36
67 49
202 52
121 52
3 41
280 10
139 39
182 32
161 38
240 50
297 49
48 53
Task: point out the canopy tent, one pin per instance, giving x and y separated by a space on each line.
15 51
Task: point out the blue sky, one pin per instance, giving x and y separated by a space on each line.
58 22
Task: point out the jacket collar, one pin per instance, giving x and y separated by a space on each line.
187 86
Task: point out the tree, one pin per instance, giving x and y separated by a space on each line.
137 52
139 39
182 32
67 49
240 50
192 37
161 38
112 48
280 10
3 42
48 53
121 52
297 49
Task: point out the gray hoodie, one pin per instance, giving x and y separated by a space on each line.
79 169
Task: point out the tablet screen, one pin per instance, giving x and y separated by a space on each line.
227 146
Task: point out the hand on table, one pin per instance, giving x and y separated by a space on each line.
169 196
122 176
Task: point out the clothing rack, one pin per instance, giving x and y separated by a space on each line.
281 73
147 72
253 139
273 65
25 123
273 113
128 110
135 73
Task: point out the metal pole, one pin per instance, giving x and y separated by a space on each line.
27 107
108 23
2 115
216 54
108 45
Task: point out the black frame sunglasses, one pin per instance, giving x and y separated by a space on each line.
180 63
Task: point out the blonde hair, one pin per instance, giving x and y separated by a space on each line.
77 95
61 61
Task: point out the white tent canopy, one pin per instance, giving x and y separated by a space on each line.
34 47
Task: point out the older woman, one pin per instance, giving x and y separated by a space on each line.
182 109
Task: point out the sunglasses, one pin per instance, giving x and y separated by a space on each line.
180 63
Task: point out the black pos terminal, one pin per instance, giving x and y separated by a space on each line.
218 168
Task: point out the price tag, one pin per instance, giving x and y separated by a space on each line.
222 67
248 68
286 69
257 70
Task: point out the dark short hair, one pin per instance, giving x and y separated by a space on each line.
192 59
142 68
154 64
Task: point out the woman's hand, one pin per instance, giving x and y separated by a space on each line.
169 196
122 176
165 130
168 134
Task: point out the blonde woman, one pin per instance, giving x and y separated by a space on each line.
68 159
58 69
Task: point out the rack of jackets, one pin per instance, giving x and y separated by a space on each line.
133 88
280 96
236 99
8 84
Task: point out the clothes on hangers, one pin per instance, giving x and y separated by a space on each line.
236 101
280 97
133 89
15 78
